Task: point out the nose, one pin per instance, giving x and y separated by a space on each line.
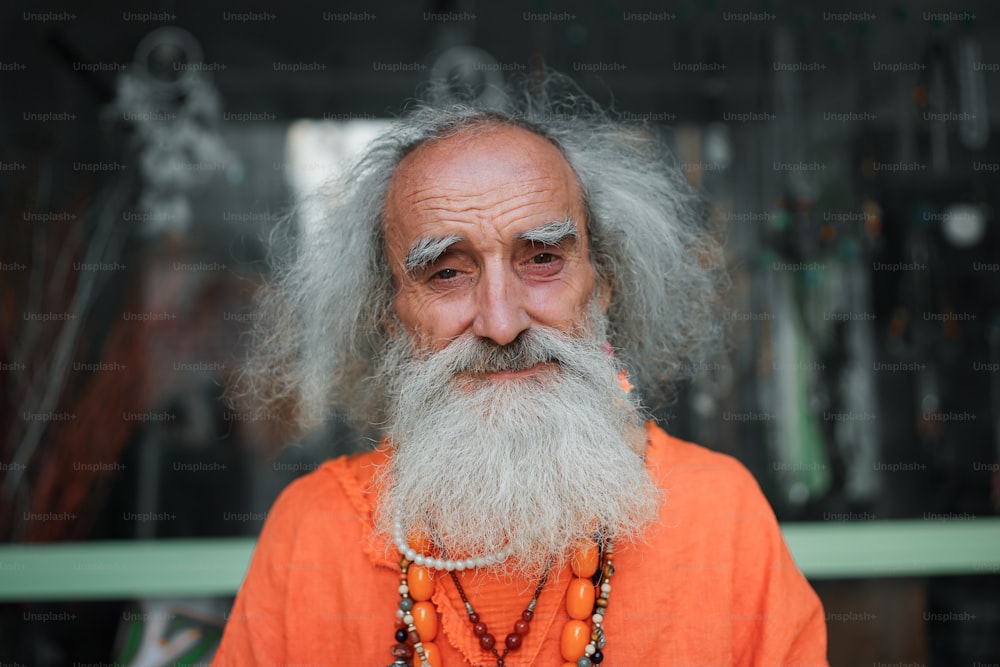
500 313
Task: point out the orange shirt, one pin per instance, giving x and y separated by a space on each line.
713 584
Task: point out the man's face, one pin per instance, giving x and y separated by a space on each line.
485 235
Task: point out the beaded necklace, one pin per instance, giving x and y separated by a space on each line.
587 596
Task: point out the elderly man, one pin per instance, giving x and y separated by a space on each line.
483 281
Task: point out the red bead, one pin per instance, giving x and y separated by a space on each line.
527 614
521 627
414 637
513 641
479 629
474 617
487 641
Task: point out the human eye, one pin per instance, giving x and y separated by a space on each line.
444 275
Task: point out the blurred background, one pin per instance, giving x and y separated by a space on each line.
848 155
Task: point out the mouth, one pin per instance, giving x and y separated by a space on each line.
517 373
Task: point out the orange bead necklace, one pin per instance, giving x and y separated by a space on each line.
581 645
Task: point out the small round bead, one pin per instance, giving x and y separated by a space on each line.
589 650
401 635
598 618
527 615
513 641
487 641
583 662
474 617
406 605
420 560
597 658
521 627
404 589
479 629
408 618
605 588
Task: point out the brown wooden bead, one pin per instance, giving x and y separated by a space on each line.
527 615
513 641
521 627
402 651
479 629
413 637
487 641
602 602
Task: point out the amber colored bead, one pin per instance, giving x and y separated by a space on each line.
521 627
479 629
513 641
419 542
584 561
580 599
602 602
421 583
432 653
425 619
575 636
487 641
413 637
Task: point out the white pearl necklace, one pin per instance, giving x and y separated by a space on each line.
444 563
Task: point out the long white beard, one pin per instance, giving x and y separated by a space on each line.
535 465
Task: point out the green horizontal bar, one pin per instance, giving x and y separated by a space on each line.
124 570
902 548
215 567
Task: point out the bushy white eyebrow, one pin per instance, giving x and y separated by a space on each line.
428 250
551 233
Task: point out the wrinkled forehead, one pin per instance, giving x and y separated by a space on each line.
484 160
